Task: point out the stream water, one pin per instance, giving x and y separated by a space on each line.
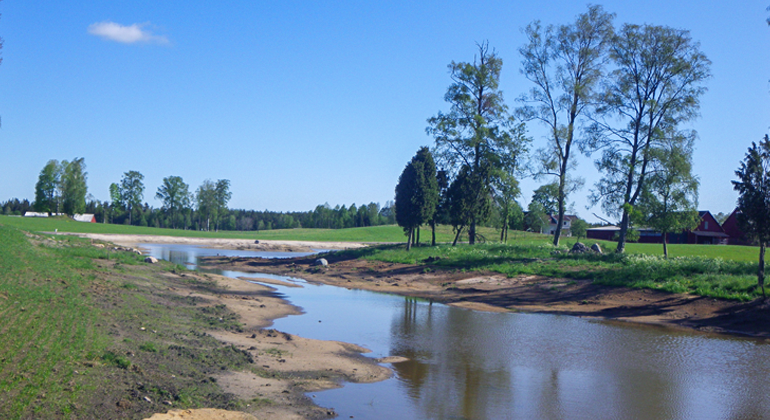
475 365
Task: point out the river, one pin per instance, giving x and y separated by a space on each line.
467 364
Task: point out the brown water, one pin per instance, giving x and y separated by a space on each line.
475 365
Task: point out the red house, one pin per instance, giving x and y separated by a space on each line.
709 231
736 235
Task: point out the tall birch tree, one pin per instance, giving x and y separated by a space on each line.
654 88
669 202
73 186
47 188
566 64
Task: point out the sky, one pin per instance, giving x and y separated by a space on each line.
300 103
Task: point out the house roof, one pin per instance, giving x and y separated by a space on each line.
86 217
604 228
569 217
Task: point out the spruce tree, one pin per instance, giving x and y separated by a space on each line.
753 187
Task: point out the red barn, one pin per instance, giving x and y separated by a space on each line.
606 233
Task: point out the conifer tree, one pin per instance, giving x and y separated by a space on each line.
416 194
753 186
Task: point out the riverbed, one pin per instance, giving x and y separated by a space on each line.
467 364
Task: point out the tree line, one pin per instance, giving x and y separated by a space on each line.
624 94
62 188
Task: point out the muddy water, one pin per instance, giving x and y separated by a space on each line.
474 365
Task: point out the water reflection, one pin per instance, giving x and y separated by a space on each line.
485 366
188 255
475 365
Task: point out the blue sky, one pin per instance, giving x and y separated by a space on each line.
301 103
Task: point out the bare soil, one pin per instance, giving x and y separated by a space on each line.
495 292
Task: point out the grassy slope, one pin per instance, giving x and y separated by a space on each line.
46 324
70 342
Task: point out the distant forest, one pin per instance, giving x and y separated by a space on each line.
323 216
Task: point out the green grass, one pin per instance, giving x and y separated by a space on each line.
48 324
84 327
388 233
726 252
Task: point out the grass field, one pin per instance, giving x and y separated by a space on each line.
366 234
47 326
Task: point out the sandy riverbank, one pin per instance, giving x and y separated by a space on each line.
287 365
219 243
535 294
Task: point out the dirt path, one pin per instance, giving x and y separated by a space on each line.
495 292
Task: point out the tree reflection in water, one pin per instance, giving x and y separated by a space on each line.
447 380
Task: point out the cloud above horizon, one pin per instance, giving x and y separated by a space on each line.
132 34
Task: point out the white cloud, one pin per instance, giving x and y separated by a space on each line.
126 34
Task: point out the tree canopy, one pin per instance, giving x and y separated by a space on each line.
175 194
548 197
61 187
74 188
47 188
212 198
669 202
655 86
131 192
477 135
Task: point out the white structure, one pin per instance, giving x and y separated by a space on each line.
37 214
87 217
566 224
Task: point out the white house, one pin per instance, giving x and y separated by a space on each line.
566 224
